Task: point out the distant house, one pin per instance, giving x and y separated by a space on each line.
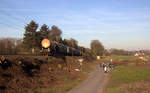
139 54
136 54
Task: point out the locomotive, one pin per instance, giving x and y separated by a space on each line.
53 48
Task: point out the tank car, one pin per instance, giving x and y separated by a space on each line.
53 48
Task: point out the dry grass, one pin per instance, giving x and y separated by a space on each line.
137 87
40 75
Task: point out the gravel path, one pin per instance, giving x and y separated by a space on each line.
94 84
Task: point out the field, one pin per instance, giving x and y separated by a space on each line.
129 78
121 57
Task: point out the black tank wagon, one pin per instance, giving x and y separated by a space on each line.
55 48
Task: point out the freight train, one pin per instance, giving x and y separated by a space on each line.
53 48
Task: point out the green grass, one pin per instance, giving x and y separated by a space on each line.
89 68
112 90
126 74
69 84
66 85
124 57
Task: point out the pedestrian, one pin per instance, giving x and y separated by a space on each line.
105 68
111 65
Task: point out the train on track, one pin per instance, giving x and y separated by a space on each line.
53 48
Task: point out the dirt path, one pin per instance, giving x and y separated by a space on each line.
94 84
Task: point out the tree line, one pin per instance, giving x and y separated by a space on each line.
33 36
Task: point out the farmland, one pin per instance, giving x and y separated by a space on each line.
132 77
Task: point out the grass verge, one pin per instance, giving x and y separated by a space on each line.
89 66
123 78
66 83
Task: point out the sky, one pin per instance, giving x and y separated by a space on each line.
121 24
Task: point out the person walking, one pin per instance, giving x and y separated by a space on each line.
105 68
111 65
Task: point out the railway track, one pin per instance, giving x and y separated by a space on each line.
23 55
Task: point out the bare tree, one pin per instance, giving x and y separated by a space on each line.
55 34
97 48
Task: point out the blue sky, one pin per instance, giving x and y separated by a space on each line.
122 24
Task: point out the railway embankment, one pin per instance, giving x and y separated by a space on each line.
31 74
